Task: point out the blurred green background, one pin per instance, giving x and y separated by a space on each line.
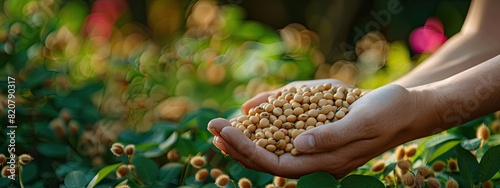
93 72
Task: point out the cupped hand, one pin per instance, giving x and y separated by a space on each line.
378 121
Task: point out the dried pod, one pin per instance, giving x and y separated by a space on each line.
122 171
424 171
201 175
25 159
451 183
117 149
215 172
244 183
410 150
483 132
408 179
5 172
399 153
130 150
279 181
198 161
290 184
3 159
404 165
419 180
378 166
438 166
452 165
222 180
433 183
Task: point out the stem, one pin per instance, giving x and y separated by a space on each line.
234 184
395 178
186 170
20 174
136 177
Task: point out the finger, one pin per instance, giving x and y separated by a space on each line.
219 143
216 125
235 144
331 136
234 154
242 149
255 101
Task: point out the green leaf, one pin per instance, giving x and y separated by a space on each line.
210 185
30 172
317 179
36 77
356 181
124 182
146 169
75 179
132 73
102 174
43 130
474 122
168 142
162 147
5 181
188 118
489 164
237 172
468 165
146 146
170 172
471 144
250 30
72 15
185 147
441 138
443 149
63 169
53 149
389 168
205 116
232 112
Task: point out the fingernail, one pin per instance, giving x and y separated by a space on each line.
224 134
304 143
213 131
218 144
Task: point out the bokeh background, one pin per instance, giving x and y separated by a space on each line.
90 73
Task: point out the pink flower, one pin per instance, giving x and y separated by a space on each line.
429 38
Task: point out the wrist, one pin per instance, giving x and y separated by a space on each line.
430 106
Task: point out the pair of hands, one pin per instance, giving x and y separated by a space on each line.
378 121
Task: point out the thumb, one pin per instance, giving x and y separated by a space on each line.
327 137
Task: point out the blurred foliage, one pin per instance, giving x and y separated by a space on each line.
88 74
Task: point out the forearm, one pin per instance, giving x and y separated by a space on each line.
460 53
463 97
477 42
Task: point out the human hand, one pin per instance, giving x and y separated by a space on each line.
380 120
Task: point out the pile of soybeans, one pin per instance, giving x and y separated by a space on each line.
274 124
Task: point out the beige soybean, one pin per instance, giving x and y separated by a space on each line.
275 124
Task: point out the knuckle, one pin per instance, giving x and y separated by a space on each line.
329 139
247 150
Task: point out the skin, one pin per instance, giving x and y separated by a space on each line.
449 89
